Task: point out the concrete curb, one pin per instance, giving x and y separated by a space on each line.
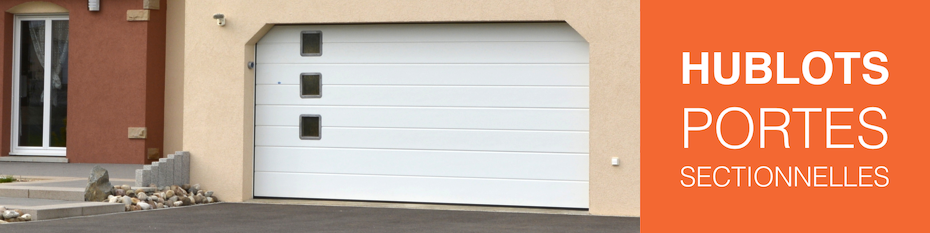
43 209
122 211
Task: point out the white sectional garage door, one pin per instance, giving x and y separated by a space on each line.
490 114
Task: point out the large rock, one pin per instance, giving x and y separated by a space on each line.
98 185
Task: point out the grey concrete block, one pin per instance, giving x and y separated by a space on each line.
102 209
54 213
148 177
171 162
186 165
73 209
64 194
179 172
167 168
174 163
162 174
182 167
140 177
14 192
155 168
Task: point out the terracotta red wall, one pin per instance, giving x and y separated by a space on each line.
116 81
155 78
6 73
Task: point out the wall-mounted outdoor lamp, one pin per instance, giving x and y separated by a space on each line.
93 5
220 19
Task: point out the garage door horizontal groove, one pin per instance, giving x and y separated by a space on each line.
523 31
444 177
429 74
443 129
417 42
426 42
409 85
418 106
438 150
425 163
417 149
315 64
496 52
437 63
533 166
453 96
413 117
421 189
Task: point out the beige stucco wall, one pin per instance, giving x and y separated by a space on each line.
174 77
218 87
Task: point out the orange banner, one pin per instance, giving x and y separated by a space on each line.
785 116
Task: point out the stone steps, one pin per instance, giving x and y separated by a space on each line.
173 170
62 197
54 197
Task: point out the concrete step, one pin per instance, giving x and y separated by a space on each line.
50 193
53 188
44 209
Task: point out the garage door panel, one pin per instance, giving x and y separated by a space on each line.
568 194
431 96
429 33
429 117
454 53
429 139
430 74
462 164
470 113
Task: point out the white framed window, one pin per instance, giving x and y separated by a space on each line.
40 85
311 43
311 85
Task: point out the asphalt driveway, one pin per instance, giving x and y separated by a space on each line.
266 218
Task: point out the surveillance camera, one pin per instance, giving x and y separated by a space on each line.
220 19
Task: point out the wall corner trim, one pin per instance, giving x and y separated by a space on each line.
137 15
150 4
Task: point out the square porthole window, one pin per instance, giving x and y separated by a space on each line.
311 85
310 127
311 43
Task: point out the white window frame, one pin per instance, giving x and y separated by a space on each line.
45 149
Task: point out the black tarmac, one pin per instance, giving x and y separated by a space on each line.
268 218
